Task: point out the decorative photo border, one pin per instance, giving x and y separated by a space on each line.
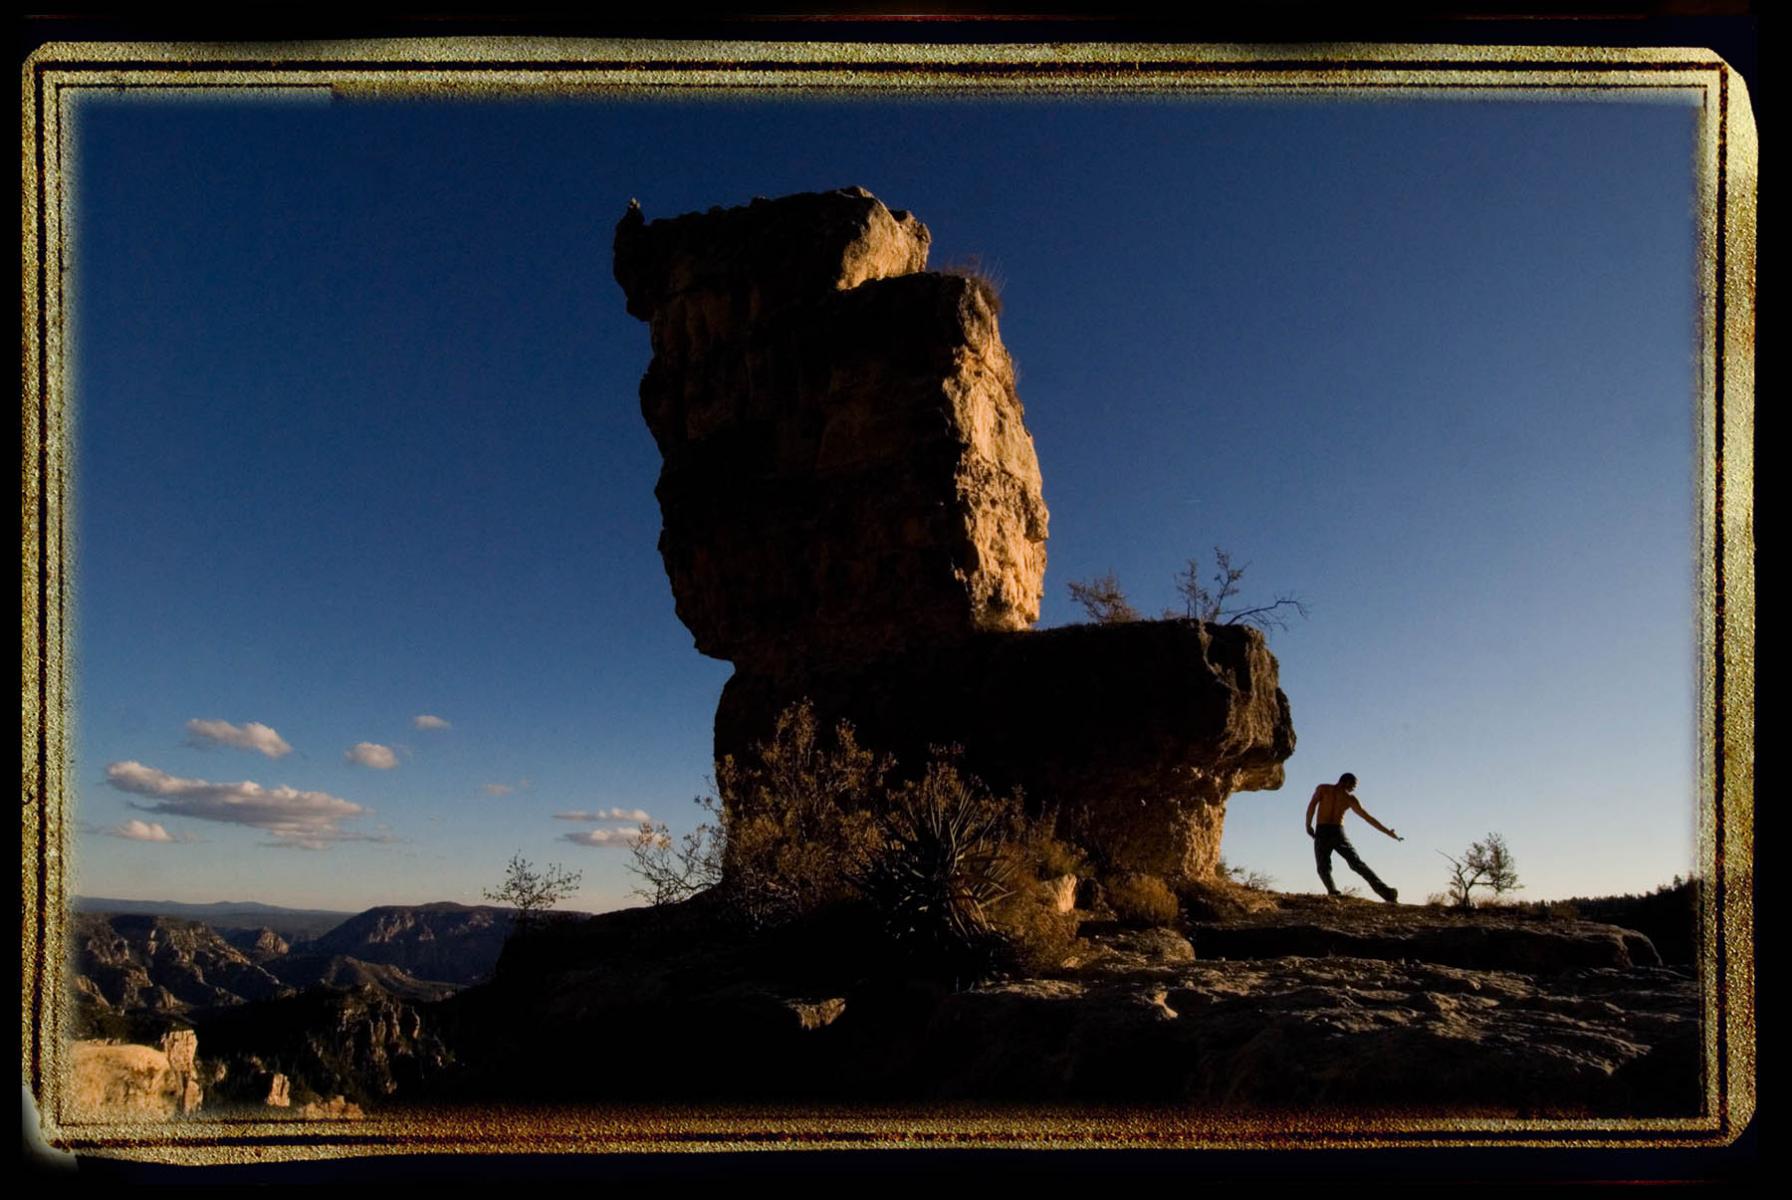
483 68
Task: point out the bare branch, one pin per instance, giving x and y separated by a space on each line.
1266 617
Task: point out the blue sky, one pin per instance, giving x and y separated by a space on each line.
357 441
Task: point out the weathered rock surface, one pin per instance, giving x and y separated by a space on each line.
181 1048
122 1082
125 1081
1324 1031
847 472
1134 1015
336 1108
1134 734
279 1091
1315 927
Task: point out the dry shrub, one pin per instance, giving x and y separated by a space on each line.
1038 853
1244 877
987 281
956 876
799 820
1141 899
1054 858
1037 937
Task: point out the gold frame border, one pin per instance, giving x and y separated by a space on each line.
488 67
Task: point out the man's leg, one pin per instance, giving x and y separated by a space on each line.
1323 842
1362 868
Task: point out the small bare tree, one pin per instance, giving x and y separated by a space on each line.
532 893
1103 600
1488 864
1202 603
674 871
1244 877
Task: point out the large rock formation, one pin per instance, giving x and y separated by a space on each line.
1134 734
846 469
853 515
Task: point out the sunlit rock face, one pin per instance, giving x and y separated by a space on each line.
111 1081
847 472
853 514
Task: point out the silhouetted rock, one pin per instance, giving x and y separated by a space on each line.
1134 734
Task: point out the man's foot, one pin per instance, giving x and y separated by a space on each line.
1392 896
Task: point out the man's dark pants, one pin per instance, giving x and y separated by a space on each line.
1327 838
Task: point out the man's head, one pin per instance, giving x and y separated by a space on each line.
1347 781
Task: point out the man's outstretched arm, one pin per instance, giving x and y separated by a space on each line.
1364 814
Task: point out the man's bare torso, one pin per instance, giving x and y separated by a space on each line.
1333 803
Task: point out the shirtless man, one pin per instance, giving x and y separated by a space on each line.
1330 802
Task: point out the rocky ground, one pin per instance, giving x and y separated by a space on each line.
1249 999
1304 1002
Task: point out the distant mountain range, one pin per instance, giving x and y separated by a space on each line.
292 924
171 957
331 1002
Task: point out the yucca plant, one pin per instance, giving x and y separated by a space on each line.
940 867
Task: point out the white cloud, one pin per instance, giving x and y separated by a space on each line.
603 837
306 820
253 736
425 721
141 831
606 814
498 789
372 754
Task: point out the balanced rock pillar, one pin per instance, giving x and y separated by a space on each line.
853 514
